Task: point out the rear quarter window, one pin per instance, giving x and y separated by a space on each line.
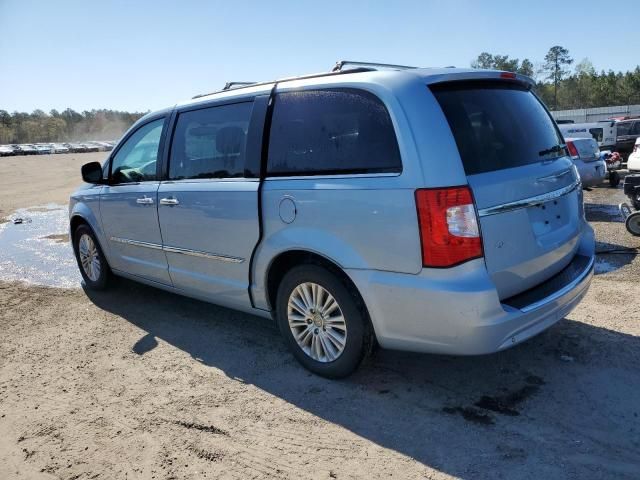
623 128
337 131
498 125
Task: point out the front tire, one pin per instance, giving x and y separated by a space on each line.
91 261
323 321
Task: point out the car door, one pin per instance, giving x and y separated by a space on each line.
128 205
208 204
625 138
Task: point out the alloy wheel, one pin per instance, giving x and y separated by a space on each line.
317 322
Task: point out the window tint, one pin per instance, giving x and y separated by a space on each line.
596 133
136 160
623 128
331 132
211 142
498 125
636 128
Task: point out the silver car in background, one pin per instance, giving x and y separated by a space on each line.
585 155
431 210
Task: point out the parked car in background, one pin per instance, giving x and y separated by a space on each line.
603 132
633 162
103 146
7 151
627 131
28 149
59 148
585 155
349 229
75 147
91 147
43 149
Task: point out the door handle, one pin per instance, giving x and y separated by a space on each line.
169 201
145 200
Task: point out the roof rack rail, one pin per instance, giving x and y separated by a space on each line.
338 66
230 85
288 79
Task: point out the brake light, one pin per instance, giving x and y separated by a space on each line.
449 229
510 75
573 151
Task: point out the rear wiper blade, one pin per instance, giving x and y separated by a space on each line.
560 148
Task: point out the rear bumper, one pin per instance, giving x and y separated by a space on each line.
591 173
457 311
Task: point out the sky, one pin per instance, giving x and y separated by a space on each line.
149 54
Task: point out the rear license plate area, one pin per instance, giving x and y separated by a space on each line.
548 216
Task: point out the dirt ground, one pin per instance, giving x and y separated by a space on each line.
138 383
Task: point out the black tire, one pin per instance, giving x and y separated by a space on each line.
633 224
359 337
103 279
614 179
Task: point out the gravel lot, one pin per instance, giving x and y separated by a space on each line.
139 383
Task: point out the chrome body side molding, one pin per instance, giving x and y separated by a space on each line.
197 253
136 243
182 251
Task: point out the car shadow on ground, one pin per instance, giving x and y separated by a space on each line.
612 256
558 405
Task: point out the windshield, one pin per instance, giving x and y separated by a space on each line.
498 125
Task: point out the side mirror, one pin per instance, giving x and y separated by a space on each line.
92 172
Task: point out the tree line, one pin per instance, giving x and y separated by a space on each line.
562 87
65 126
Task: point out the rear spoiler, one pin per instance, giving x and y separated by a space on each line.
480 75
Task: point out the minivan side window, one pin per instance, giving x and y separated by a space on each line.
136 160
337 131
210 142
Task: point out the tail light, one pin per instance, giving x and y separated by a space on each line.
449 229
573 151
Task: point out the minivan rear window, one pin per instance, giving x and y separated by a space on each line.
498 125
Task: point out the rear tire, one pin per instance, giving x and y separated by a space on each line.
614 179
93 265
323 321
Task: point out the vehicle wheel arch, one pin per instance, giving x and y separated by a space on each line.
74 222
288 259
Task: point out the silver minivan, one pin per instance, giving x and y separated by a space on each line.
431 210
